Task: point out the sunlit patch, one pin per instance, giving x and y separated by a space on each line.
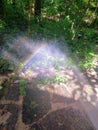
94 81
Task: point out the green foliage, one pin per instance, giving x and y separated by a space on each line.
14 77
23 83
5 84
22 86
22 91
10 33
5 66
47 81
14 14
2 25
59 18
59 78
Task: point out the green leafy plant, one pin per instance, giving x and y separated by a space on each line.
59 78
22 91
22 85
46 81
5 83
5 65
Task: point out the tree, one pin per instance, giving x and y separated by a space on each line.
37 10
1 8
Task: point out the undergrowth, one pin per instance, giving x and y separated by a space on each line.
6 66
22 86
81 41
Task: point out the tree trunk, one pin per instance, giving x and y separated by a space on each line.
14 4
1 8
29 16
37 10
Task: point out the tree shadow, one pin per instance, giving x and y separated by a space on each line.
88 95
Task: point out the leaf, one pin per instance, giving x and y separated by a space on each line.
92 54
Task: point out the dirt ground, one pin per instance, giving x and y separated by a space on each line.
42 108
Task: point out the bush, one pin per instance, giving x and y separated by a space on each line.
4 65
